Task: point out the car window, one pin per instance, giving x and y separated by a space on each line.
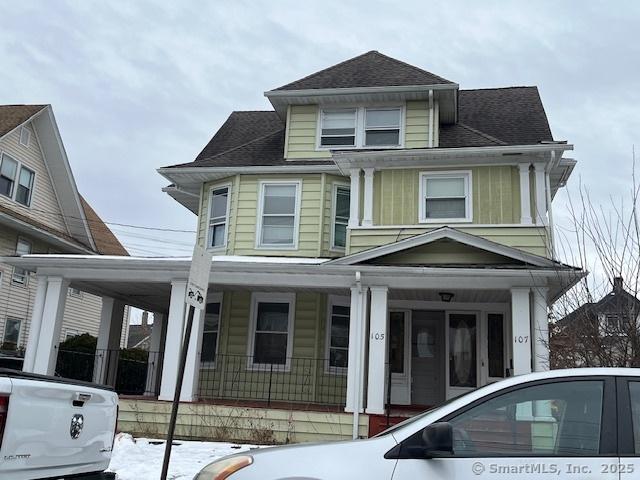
634 392
553 419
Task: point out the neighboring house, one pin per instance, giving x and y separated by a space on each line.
139 336
381 237
605 333
41 211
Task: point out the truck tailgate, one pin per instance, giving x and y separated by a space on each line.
56 428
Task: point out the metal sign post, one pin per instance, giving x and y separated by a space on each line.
196 297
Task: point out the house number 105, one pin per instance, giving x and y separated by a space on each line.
521 339
377 336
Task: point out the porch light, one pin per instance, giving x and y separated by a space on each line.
445 296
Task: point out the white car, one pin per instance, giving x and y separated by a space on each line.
581 424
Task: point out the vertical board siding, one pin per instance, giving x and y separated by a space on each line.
302 128
417 125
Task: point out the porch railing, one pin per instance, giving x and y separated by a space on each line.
294 380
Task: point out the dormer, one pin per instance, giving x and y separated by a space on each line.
368 102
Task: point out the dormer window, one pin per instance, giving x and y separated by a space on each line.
382 127
360 127
338 128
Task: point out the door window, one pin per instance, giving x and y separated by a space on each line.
396 342
462 350
555 419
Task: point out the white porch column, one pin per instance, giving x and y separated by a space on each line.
354 198
367 215
525 199
378 333
541 194
175 332
158 329
36 323
355 361
189 392
44 361
521 331
540 330
105 366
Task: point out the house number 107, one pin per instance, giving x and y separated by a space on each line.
377 336
521 339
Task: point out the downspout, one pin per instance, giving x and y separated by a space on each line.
552 245
358 390
430 144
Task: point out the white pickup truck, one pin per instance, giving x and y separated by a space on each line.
52 428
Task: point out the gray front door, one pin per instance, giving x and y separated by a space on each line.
427 357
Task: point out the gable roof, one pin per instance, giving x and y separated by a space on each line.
371 69
104 239
12 116
614 300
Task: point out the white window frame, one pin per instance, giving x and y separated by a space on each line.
213 298
70 333
26 274
226 220
296 222
338 301
334 204
4 330
468 184
270 297
355 128
361 126
24 129
16 181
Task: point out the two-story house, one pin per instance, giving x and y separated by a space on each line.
41 211
381 238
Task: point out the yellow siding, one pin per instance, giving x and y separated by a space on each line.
301 140
417 125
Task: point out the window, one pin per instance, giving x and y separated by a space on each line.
278 216
218 217
341 200
445 196
210 333
25 186
382 127
338 128
74 292
25 136
20 275
11 333
554 419
8 172
272 330
70 333
338 330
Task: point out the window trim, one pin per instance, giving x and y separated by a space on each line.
296 221
360 137
355 128
213 188
338 301
270 297
26 274
14 191
334 204
213 298
468 183
15 180
4 330
23 128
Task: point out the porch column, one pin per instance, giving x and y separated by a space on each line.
175 329
541 195
158 329
354 198
105 366
36 323
355 359
44 361
189 392
521 331
525 199
540 330
378 332
367 216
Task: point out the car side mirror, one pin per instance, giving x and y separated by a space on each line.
438 440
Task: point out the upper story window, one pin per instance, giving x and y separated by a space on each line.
341 200
23 247
25 136
445 197
278 214
9 168
360 127
218 217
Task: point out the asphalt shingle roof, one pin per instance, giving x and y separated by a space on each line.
13 115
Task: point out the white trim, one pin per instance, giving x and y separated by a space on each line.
367 213
228 186
541 193
218 298
431 119
525 196
338 301
23 129
334 202
296 222
422 226
466 175
354 199
270 297
319 92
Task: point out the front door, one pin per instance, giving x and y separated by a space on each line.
427 357
463 371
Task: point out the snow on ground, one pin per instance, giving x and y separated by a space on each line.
141 458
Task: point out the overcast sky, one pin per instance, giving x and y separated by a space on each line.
136 85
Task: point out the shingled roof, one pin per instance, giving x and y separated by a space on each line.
104 239
371 69
13 115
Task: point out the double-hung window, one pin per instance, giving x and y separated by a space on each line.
272 330
278 215
25 186
8 173
338 127
445 197
341 200
20 275
382 127
11 333
338 344
218 217
361 127
210 333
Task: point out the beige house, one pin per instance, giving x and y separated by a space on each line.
41 211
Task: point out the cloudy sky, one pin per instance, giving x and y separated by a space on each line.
136 85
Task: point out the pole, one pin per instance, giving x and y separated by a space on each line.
176 396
